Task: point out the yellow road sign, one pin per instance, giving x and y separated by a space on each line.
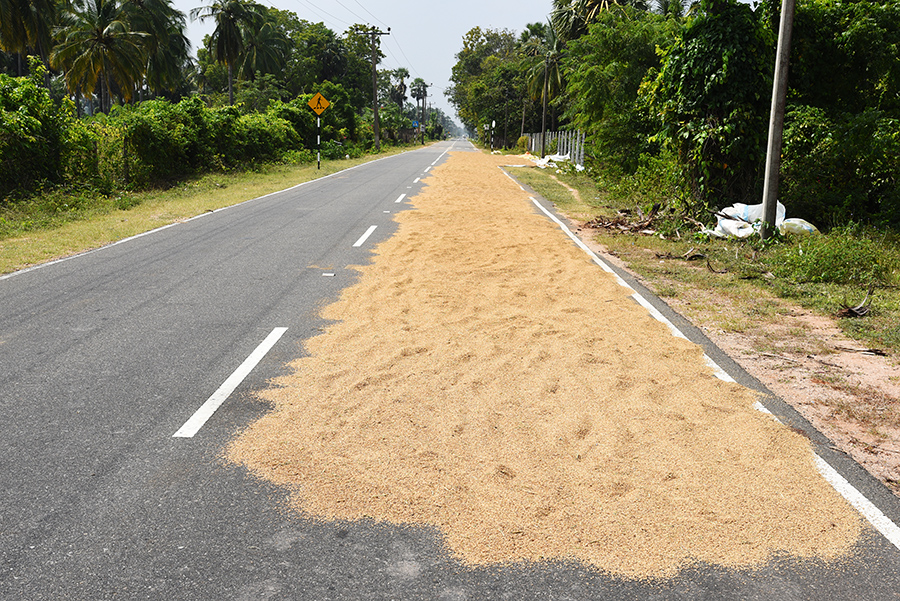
319 103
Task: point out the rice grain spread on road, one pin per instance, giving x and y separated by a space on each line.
484 377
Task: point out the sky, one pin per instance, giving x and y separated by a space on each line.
424 37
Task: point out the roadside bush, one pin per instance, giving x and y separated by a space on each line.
847 255
158 138
710 100
92 154
263 137
522 144
847 169
32 130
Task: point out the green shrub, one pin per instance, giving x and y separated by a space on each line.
846 169
522 144
32 130
711 102
264 137
844 256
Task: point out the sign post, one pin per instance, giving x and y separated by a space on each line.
318 104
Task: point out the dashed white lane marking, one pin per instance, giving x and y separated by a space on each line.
427 168
416 181
364 237
402 196
206 410
327 275
851 494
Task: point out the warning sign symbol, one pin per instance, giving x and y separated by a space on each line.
319 103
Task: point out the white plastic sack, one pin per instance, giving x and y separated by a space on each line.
550 160
795 225
749 219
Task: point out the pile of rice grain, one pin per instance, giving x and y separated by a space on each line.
486 378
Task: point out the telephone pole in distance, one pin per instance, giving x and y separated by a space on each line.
373 32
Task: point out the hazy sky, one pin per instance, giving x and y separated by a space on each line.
424 36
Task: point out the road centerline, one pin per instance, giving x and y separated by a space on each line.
364 237
207 409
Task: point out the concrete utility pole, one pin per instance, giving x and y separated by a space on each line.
425 87
776 119
373 32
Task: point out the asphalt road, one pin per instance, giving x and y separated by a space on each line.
103 357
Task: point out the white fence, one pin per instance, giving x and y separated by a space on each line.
567 142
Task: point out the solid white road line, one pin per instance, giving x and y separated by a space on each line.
364 237
851 494
200 417
402 196
881 522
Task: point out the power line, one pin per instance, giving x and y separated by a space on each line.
370 14
409 62
320 11
350 11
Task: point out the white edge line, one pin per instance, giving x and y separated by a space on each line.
883 524
207 409
364 237
581 244
657 315
402 196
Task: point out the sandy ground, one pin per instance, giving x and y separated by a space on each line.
485 378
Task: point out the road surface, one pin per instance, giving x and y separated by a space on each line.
111 491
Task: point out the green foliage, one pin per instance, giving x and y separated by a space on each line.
844 55
843 169
604 70
32 130
712 100
489 81
522 144
847 255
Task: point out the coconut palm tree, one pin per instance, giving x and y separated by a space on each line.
545 80
572 17
27 25
167 47
398 91
264 49
98 48
227 40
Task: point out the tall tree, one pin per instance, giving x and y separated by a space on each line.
27 25
398 90
227 40
264 49
545 80
167 47
571 18
98 47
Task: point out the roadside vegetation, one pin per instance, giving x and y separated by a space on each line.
102 106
